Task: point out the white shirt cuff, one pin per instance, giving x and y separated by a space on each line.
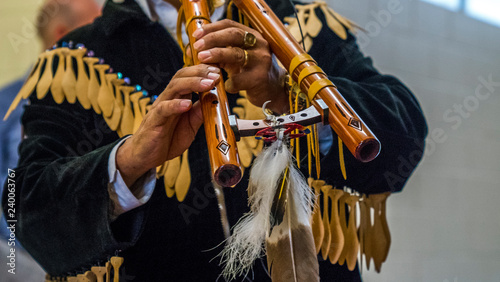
122 197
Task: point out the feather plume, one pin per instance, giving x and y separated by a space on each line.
291 252
280 208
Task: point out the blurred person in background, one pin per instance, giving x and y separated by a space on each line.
54 20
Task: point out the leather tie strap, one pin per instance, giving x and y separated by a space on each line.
299 59
317 86
308 71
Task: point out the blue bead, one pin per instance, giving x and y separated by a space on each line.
71 44
54 46
120 75
138 87
80 46
144 93
127 80
154 98
64 44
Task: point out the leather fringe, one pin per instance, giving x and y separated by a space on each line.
339 236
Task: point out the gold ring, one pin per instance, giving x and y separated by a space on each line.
246 58
249 40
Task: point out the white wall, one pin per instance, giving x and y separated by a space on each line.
445 224
19 45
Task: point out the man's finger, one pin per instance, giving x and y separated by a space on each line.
165 109
201 70
227 37
189 123
225 56
191 79
187 85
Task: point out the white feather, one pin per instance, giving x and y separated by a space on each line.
246 244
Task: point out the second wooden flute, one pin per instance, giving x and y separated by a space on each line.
221 142
355 134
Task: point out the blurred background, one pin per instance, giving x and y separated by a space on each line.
445 224
19 45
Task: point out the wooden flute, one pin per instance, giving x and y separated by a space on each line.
355 134
221 142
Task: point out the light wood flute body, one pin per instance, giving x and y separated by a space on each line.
342 118
221 142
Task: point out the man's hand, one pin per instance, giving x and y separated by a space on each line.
222 43
169 127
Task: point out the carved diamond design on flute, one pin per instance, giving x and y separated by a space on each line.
355 124
223 147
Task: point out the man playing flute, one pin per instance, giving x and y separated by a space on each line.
86 188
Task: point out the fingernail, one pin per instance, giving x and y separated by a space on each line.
206 82
204 55
199 44
213 76
213 69
197 33
185 103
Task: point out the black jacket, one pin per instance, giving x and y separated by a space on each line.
62 196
